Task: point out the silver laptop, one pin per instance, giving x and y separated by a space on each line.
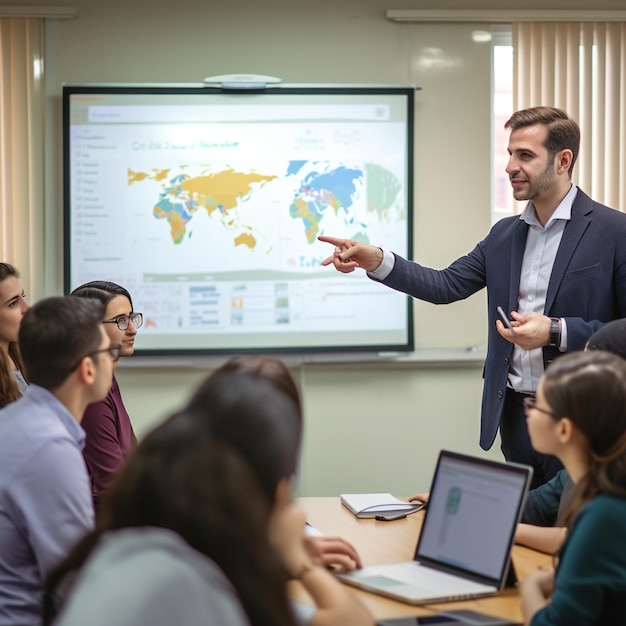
464 547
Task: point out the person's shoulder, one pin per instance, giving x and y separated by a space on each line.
150 576
608 502
608 213
29 422
562 478
162 555
97 410
598 528
594 208
604 512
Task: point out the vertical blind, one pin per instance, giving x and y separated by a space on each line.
580 67
22 116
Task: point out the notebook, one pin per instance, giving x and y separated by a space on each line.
364 505
464 547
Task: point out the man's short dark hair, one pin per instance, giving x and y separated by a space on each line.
563 131
55 334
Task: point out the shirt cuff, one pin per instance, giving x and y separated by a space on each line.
563 345
385 267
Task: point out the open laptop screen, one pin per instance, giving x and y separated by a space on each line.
474 505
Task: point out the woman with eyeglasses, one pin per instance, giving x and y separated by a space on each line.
579 415
109 432
13 305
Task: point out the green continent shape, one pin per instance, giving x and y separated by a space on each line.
382 189
361 237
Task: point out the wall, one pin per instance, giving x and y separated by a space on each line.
368 426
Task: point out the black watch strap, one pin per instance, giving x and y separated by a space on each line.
555 332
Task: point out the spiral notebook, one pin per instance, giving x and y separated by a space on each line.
464 547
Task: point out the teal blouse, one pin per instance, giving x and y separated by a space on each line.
590 586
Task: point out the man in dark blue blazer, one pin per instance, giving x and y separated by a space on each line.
559 269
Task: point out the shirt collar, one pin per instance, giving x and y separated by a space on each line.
42 396
562 212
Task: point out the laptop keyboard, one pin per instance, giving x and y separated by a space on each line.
430 579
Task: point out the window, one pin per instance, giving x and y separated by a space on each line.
502 204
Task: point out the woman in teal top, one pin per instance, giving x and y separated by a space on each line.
579 415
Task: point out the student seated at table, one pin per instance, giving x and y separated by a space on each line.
45 501
541 526
579 415
200 526
336 552
108 429
13 305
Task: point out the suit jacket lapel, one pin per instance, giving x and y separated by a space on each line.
572 235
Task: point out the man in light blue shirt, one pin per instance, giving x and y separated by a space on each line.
45 496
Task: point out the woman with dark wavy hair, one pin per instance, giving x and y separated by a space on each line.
13 305
200 526
579 415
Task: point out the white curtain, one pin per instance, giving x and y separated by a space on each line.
580 67
22 115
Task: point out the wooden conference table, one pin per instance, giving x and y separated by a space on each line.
387 542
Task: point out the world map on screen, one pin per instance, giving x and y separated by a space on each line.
306 191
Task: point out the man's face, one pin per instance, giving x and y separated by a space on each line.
531 170
12 308
104 365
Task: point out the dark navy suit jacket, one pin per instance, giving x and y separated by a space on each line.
587 287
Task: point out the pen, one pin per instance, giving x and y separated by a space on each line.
390 518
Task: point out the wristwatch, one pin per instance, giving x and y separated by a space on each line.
555 332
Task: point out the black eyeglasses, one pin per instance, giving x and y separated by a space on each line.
529 403
123 321
113 350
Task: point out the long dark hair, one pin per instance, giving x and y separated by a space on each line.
267 435
268 368
589 388
9 391
209 473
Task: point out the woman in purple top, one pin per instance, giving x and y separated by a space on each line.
110 435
